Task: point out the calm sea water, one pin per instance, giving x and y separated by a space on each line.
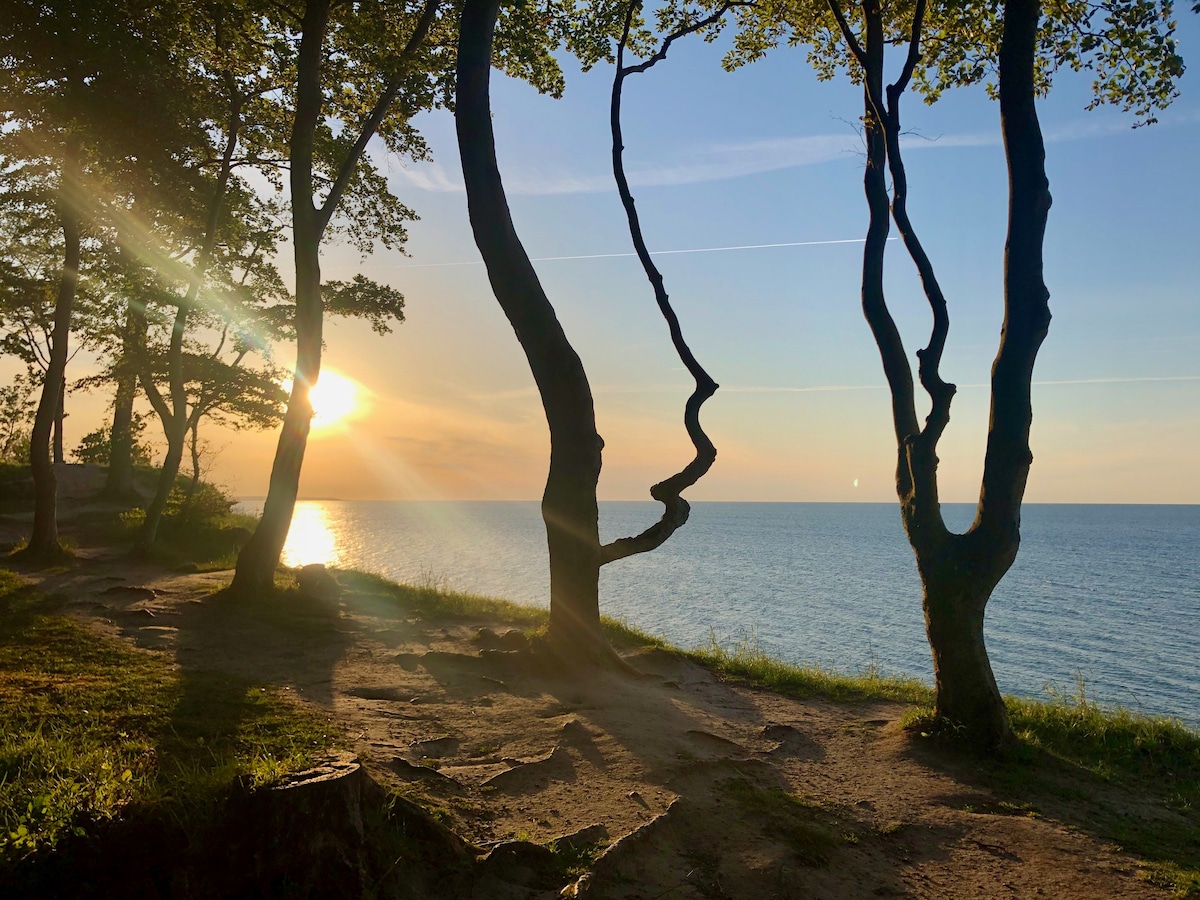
1107 593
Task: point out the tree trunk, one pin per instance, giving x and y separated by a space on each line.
958 575
959 582
162 493
194 447
569 503
255 573
44 539
118 484
60 413
256 563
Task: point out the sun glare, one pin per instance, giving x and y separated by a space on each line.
334 398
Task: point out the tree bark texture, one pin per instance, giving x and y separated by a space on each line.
44 539
569 505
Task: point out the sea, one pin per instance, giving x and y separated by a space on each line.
1102 598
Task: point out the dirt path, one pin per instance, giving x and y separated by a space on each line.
699 789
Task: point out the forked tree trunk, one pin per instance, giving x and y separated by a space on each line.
959 572
988 550
44 539
569 503
175 423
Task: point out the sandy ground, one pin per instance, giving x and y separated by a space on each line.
698 788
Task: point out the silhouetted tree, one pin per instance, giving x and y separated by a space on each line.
569 505
382 51
965 44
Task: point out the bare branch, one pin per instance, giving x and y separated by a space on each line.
675 508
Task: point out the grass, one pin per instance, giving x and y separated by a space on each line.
744 660
89 726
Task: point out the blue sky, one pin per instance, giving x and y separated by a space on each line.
769 155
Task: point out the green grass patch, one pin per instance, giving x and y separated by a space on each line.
745 660
429 598
89 726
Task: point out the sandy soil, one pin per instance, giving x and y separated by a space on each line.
698 788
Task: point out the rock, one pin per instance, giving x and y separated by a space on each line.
315 583
554 766
517 862
588 836
434 748
573 729
410 772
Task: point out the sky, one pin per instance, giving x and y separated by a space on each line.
768 160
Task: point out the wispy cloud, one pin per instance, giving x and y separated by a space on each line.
727 160
833 388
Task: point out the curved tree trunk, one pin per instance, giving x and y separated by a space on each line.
255 572
44 539
162 492
569 503
174 420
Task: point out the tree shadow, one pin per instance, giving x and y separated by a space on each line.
1136 813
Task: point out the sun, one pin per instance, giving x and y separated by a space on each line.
334 398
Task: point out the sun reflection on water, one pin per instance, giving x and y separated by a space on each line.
310 539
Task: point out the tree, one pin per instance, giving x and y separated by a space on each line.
16 414
95 447
966 43
377 94
69 80
569 505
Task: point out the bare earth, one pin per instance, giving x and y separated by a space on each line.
698 788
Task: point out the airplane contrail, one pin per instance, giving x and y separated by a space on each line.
754 389
479 262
